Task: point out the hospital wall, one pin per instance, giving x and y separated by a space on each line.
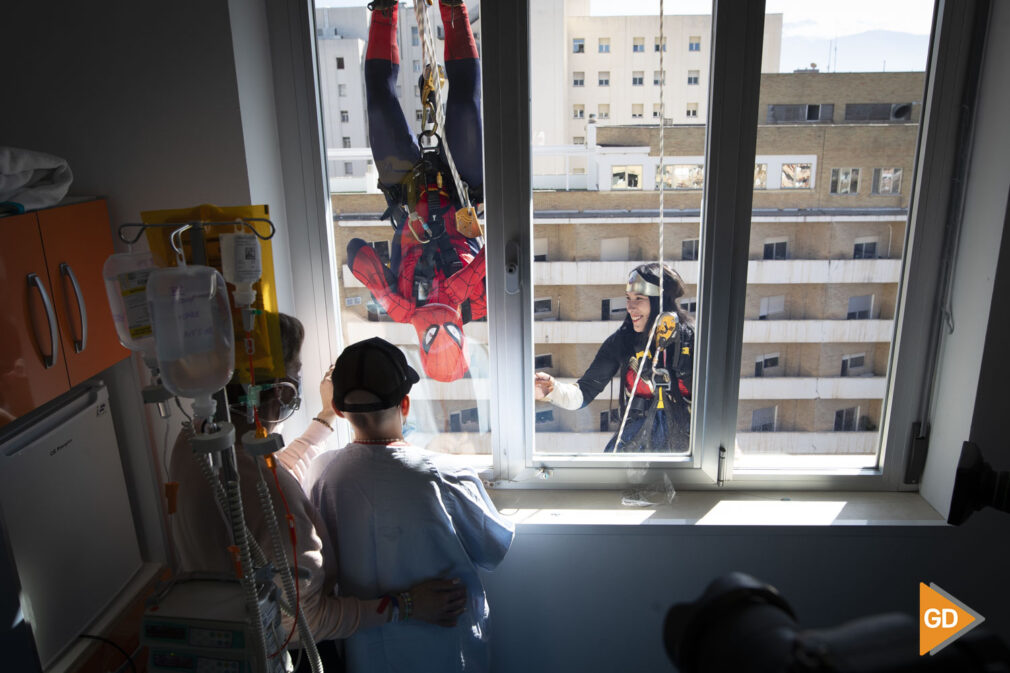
146 103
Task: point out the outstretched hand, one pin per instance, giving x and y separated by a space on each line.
326 393
439 602
543 385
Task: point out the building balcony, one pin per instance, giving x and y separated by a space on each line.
756 449
813 388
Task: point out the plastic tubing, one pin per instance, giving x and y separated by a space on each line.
304 633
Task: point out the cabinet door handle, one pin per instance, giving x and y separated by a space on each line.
67 272
54 337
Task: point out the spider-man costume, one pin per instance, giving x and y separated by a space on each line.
435 280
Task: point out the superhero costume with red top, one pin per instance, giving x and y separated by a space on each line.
435 279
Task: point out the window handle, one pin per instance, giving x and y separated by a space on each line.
67 272
512 267
54 338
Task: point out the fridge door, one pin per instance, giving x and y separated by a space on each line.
67 517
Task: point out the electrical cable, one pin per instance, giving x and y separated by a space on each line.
101 639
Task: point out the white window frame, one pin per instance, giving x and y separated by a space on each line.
638 45
345 116
603 78
775 240
863 240
541 248
603 45
869 311
767 308
775 418
691 111
618 306
602 113
848 358
763 359
637 78
836 177
697 249
578 78
578 45
637 111
687 303
658 76
730 140
578 111
693 77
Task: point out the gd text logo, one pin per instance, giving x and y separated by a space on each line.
942 619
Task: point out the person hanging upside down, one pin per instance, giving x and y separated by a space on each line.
435 279
660 415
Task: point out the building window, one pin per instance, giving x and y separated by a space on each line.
657 110
342 90
864 112
638 45
340 62
763 420
579 45
886 180
345 116
764 363
694 43
658 77
348 168
626 177
539 249
844 180
692 77
543 361
604 78
415 39
545 416
772 307
604 45
776 249
417 115
637 110
543 308
860 307
417 91
689 250
381 250
796 176
690 305
578 111
578 78
637 78
614 308
682 176
800 112
864 248
692 110
345 142
656 45
845 419
603 111
852 365
578 140
760 176
416 65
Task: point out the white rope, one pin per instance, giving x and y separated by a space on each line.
662 183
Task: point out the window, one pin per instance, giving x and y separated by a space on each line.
603 111
416 65
656 45
845 419
543 361
682 176
637 78
690 305
543 308
340 62
637 111
342 90
348 168
658 77
579 45
692 77
604 45
626 177
864 248
860 307
776 249
772 307
886 181
878 112
692 111
417 115
800 112
614 308
381 250
604 78
852 365
614 249
539 249
657 110
796 176
578 111
763 420
765 363
844 180
760 176
694 43
689 250
345 142
417 91
578 78
578 140
345 116
638 45
545 416
415 39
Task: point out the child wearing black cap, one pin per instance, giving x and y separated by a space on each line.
395 518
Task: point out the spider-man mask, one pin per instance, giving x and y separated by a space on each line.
443 347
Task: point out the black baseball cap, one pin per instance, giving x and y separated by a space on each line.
375 366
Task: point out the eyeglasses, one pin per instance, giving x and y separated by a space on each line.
277 401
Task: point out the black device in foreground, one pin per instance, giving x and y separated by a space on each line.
743 625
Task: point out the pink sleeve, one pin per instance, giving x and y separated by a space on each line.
297 455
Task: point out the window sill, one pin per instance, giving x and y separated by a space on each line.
535 508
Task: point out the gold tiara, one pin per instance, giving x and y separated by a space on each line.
639 285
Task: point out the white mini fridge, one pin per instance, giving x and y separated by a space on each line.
66 519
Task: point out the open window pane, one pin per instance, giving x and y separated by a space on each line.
389 284
825 247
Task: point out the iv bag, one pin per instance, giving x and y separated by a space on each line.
126 275
193 334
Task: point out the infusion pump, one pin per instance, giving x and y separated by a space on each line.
201 625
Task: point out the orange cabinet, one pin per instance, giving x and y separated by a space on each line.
56 328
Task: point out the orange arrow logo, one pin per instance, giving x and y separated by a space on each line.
942 619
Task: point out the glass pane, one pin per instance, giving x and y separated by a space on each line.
835 138
596 209
418 283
